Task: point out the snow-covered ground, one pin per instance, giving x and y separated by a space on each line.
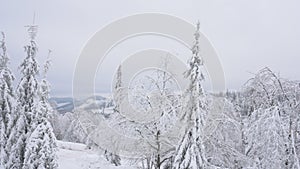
76 156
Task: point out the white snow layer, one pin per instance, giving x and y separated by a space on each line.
77 156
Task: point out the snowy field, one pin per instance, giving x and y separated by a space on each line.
76 156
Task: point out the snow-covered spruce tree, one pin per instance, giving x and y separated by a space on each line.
6 101
31 136
40 151
118 88
27 105
113 157
190 153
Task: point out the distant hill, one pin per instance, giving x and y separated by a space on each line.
66 104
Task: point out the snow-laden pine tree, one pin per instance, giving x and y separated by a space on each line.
190 153
6 101
40 151
118 89
113 157
31 141
22 122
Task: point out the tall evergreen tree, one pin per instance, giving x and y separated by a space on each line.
118 89
6 101
32 141
113 157
190 151
41 149
27 105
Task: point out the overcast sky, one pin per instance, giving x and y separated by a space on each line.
248 35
